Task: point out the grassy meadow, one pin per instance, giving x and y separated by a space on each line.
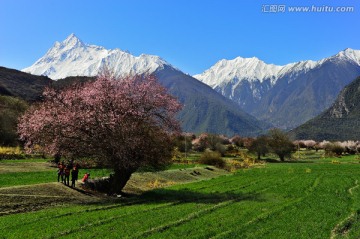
311 197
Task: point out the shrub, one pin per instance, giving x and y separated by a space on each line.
220 148
338 149
334 148
11 153
212 158
10 150
235 165
231 148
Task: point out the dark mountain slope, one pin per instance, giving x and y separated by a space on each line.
206 110
340 122
22 85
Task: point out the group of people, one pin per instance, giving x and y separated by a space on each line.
64 171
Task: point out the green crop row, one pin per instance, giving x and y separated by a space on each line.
280 200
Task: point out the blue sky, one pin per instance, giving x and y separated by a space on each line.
190 34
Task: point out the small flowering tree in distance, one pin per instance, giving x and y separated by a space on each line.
124 122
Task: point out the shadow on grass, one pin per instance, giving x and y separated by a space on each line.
185 196
179 196
82 191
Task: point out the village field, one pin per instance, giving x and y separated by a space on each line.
312 196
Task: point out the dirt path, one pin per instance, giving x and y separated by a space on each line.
18 199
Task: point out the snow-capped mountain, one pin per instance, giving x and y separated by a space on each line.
205 110
233 72
72 57
266 89
251 69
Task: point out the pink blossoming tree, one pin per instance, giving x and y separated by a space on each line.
125 123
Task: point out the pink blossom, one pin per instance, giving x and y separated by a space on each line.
125 122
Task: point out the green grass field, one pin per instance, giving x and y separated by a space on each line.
314 197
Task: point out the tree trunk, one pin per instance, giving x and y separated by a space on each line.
282 157
259 156
119 180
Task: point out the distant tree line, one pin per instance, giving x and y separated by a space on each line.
276 141
336 147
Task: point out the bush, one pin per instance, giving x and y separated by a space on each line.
234 165
334 148
11 153
212 158
220 148
338 149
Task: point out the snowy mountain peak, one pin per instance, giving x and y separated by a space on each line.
72 57
72 40
225 71
349 54
70 43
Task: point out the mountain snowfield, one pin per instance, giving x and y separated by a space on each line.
72 57
250 69
230 73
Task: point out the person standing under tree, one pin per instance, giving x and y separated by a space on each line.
74 176
67 175
60 172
